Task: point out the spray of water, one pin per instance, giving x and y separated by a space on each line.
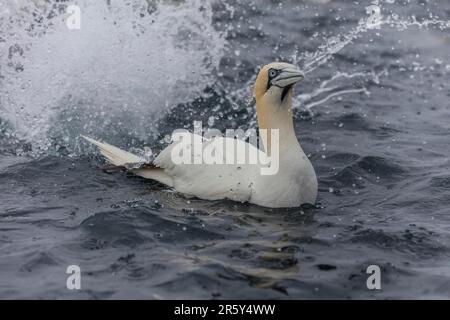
345 83
333 45
131 61
126 59
334 87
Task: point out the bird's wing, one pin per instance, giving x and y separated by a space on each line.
210 181
213 181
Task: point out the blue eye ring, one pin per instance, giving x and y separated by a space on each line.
272 73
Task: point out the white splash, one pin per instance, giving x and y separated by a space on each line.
124 64
312 60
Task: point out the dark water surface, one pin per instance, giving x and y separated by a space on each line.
382 160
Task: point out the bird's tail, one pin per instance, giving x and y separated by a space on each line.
114 155
121 158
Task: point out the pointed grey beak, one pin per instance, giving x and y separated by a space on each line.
288 77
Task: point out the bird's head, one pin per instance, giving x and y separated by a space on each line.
274 83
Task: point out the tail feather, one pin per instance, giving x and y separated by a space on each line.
114 155
119 157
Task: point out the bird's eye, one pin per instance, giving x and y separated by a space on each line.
272 73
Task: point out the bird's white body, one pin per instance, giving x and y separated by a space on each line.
243 182
293 184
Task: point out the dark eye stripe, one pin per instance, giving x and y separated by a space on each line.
268 84
274 73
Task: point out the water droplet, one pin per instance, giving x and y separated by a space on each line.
211 121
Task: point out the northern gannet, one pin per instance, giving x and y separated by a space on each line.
294 182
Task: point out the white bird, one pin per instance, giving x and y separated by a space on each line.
293 184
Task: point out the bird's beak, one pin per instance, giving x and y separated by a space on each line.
288 77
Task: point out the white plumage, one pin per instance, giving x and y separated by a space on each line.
293 184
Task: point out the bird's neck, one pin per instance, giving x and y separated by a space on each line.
278 117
